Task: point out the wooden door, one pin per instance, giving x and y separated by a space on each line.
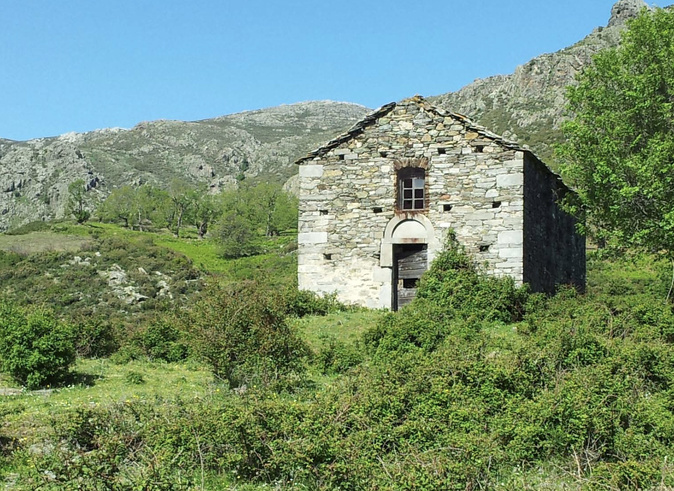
410 262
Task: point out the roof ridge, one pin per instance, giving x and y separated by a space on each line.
360 126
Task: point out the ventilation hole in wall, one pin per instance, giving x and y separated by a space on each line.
410 282
496 204
377 209
341 156
446 207
484 248
442 151
383 154
323 212
327 257
479 148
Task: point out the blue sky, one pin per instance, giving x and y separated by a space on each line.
79 65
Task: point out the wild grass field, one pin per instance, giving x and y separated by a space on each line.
242 382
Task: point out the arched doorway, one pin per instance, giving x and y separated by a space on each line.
405 249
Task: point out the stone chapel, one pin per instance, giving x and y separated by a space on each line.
376 204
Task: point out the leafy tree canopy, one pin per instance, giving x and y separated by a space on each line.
619 153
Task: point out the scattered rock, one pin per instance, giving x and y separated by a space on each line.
164 290
78 261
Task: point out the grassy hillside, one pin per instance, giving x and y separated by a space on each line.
476 385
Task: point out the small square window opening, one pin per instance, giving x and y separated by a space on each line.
410 282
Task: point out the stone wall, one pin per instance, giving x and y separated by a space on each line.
554 253
348 219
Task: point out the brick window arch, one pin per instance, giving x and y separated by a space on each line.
411 188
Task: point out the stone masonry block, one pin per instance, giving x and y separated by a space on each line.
311 170
510 180
312 237
508 252
515 237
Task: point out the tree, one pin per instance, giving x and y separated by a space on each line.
152 206
284 215
619 152
236 236
205 210
119 205
181 195
77 200
250 212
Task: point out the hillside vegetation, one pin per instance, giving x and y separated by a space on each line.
477 385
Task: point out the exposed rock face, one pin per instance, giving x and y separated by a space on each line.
34 175
528 105
625 10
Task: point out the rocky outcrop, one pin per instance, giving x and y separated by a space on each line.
625 10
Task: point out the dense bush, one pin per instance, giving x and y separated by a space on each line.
304 302
335 356
236 236
35 348
95 338
242 333
161 340
455 284
453 399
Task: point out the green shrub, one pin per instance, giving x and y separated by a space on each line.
35 348
453 297
9 259
236 236
161 340
304 302
95 338
242 333
336 356
135 378
454 284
